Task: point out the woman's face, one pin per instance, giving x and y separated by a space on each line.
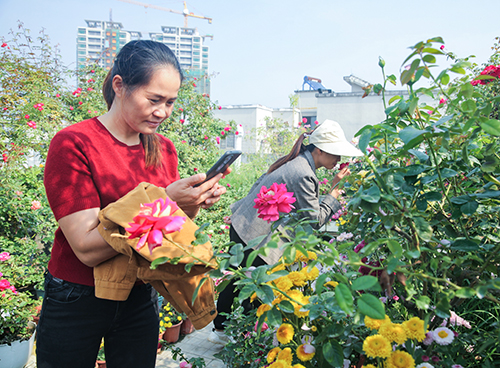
329 161
146 107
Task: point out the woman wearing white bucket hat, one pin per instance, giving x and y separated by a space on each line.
327 143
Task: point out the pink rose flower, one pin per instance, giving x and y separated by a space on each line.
185 365
153 221
270 202
441 47
4 256
36 205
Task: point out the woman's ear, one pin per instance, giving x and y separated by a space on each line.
118 86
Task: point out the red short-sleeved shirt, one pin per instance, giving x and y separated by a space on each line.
87 167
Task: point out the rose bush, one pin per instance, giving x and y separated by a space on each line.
423 207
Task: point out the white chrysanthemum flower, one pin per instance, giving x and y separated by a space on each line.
425 365
443 336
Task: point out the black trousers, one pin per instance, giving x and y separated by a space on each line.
230 293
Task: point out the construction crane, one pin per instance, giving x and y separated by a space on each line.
186 13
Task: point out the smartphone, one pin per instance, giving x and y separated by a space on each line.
221 165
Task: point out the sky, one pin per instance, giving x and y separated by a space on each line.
262 49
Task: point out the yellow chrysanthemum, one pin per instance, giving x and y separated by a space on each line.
263 308
305 352
179 318
297 307
310 274
283 283
331 283
166 319
162 323
375 324
394 332
161 314
285 333
377 346
311 256
272 354
277 268
414 328
298 366
169 324
286 355
297 278
400 359
279 364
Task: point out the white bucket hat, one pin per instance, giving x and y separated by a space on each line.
330 138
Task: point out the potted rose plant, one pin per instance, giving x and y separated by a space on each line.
16 329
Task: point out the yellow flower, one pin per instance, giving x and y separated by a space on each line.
298 366
162 323
331 283
253 297
161 314
394 332
312 274
415 329
377 346
286 355
369 366
311 256
297 307
179 318
363 173
314 329
283 283
170 314
272 354
168 324
305 352
167 319
285 333
277 268
279 364
400 359
297 278
263 308
375 324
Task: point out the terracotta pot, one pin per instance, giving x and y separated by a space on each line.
100 364
171 334
187 327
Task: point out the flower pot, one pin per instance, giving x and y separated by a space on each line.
17 354
171 334
100 364
187 327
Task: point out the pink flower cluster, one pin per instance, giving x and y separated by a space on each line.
31 124
491 70
153 221
270 202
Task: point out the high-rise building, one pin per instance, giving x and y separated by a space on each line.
100 41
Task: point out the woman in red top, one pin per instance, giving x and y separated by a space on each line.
89 165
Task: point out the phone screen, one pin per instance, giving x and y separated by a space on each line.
221 165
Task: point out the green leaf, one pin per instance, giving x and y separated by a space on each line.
247 291
364 283
344 298
274 317
158 261
423 302
371 195
464 245
195 294
429 59
333 353
411 136
469 208
469 106
371 306
448 173
424 230
422 157
364 140
286 306
443 307
395 248
492 127
465 292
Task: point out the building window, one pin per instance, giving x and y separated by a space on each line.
228 142
83 52
82 30
205 49
94 33
196 60
82 39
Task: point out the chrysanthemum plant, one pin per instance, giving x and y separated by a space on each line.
423 206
